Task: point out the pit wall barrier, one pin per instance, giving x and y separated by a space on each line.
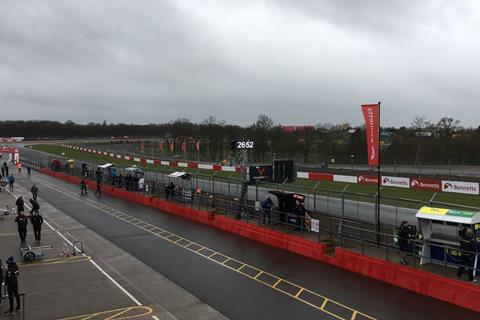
445 289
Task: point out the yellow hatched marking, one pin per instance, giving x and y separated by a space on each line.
299 293
324 304
241 267
276 283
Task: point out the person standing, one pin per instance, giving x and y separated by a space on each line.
11 281
19 167
5 168
3 171
20 204
467 245
83 186
22 222
267 209
35 206
403 241
29 171
34 191
11 181
98 180
37 221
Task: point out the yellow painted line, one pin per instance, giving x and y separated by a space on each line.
118 314
213 254
228 259
322 308
179 240
354 315
276 283
142 312
241 267
54 261
258 275
324 304
299 292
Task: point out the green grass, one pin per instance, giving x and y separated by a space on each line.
325 188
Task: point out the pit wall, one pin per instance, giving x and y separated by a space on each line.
445 289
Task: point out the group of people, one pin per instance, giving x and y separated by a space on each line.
9 276
98 181
35 217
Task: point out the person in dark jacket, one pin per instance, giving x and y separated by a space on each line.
20 204
11 281
403 241
267 205
467 245
37 221
35 206
11 181
22 222
34 191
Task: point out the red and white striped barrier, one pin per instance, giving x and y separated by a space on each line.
191 165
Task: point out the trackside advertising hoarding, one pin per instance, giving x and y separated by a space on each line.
426 184
367 179
460 187
399 182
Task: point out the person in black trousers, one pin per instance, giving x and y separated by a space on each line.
20 204
37 221
467 245
11 282
34 191
22 222
35 206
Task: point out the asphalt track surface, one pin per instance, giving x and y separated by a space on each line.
240 278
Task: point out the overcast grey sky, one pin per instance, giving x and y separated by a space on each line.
298 61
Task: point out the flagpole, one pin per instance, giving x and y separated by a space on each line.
379 177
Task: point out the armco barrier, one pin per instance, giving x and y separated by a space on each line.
449 290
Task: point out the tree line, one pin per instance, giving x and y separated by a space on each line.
423 142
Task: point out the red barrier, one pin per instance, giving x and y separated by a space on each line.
429 284
320 176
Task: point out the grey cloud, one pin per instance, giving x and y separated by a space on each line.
301 62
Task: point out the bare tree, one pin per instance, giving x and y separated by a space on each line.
264 122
